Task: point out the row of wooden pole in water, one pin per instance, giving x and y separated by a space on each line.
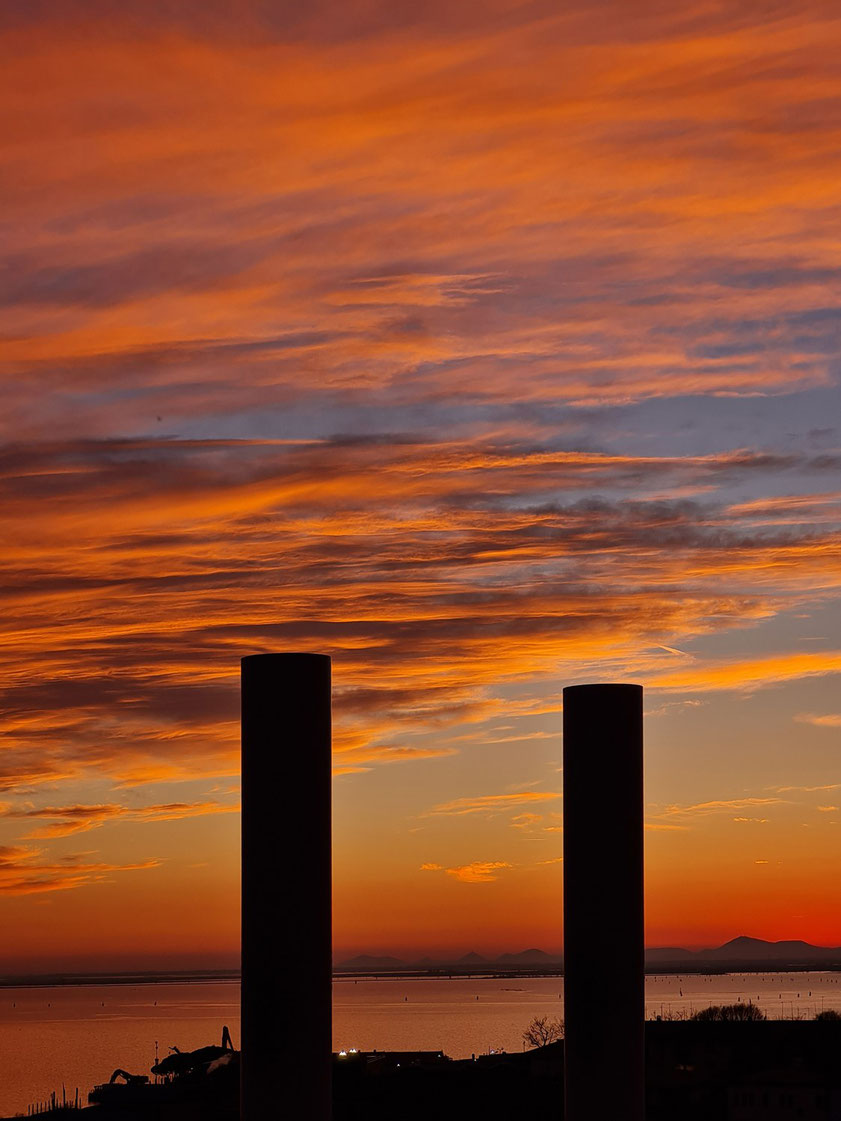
286 894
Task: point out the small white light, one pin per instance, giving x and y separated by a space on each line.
343 1054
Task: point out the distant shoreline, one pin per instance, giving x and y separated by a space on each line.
232 976
676 969
62 980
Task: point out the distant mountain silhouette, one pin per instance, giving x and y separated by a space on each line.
744 948
748 951
745 952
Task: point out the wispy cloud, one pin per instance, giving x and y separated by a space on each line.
825 720
491 804
809 789
478 872
24 871
526 820
462 534
219 274
62 821
723 805
750 673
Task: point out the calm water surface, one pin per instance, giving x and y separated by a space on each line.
79 1034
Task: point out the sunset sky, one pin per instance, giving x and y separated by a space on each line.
487 347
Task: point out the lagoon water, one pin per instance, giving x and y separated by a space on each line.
77 1035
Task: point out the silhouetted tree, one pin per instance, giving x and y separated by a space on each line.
828 1014
730 1013
542 1030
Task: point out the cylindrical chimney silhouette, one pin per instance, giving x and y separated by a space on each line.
604 955
286 888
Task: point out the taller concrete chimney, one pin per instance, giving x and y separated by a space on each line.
604 956
286 888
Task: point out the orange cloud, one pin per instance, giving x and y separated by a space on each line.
221 255
703 809
23 872
493 803
478 872
81 819
826 720
810 789
750 673
526 820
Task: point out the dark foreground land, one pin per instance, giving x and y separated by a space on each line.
695 1070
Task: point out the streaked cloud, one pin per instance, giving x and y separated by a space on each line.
65 820
493 803
263 557
809 789
25 871
723 805
526 820
750 673
825 720
478 872
402 247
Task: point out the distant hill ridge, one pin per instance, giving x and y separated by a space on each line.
747 949
740 950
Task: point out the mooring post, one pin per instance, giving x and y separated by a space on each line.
604 954
286 1030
